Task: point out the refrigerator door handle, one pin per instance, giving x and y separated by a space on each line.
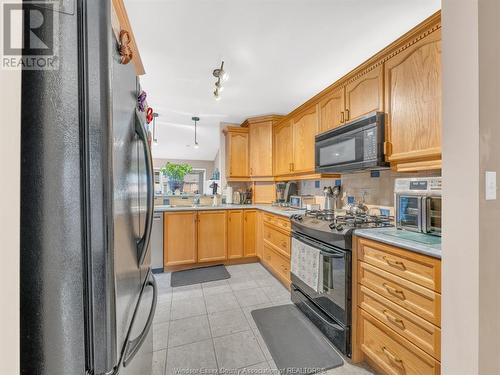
143 243
133 346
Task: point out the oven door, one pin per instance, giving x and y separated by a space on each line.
409 212
332 294
432 215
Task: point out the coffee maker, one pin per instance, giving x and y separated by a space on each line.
284 190
280 192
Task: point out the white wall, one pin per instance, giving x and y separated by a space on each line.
471 237
10 159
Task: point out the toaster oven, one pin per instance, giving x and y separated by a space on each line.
418 204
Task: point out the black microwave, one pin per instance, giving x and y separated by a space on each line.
355 146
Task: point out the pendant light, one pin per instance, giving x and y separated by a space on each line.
195 119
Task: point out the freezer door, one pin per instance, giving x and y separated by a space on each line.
137 354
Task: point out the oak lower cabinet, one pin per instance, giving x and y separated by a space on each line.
237 152
241 233
235 245
396 309
179 239
276 241
259 246
250 233
212 240
413 101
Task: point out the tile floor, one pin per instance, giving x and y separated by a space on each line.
208 328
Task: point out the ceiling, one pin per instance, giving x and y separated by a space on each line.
278 53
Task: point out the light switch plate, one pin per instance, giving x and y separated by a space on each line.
491 185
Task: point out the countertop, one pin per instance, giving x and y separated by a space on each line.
417 242
287 212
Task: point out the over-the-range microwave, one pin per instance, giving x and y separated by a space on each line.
355 146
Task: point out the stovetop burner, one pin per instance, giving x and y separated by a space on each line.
326 226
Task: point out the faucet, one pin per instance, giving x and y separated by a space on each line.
196 200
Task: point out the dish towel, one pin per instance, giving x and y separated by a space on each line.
305 264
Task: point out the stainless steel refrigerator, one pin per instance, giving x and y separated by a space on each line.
88 296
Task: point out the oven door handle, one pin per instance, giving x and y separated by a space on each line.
333 256
316 244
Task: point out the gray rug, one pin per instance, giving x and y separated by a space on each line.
296 344
199 275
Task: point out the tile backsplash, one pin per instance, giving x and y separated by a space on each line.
379 190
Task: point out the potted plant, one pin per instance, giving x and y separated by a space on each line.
176 174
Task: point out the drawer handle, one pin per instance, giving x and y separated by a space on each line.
392 357
283 244
395 292
394 319
395 263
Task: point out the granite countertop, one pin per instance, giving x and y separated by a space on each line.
417 242
287 212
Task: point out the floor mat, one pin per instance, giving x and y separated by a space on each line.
199 275
296 344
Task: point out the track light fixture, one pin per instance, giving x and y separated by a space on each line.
195 119
221 76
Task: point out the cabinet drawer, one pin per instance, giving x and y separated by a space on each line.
420 269
277 262
277 238
421 301
277 221
391 352
423 334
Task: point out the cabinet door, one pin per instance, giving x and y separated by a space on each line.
234 234
365 94
261 149
259 246
331 110
237 154
283 148
212 242
179 242
305 126
413 101
250 233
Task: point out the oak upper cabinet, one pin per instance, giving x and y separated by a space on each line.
365 93
413 103
305 127
179 238
250 233
261 146
332 110
236 152
234 234
283 148
212 241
